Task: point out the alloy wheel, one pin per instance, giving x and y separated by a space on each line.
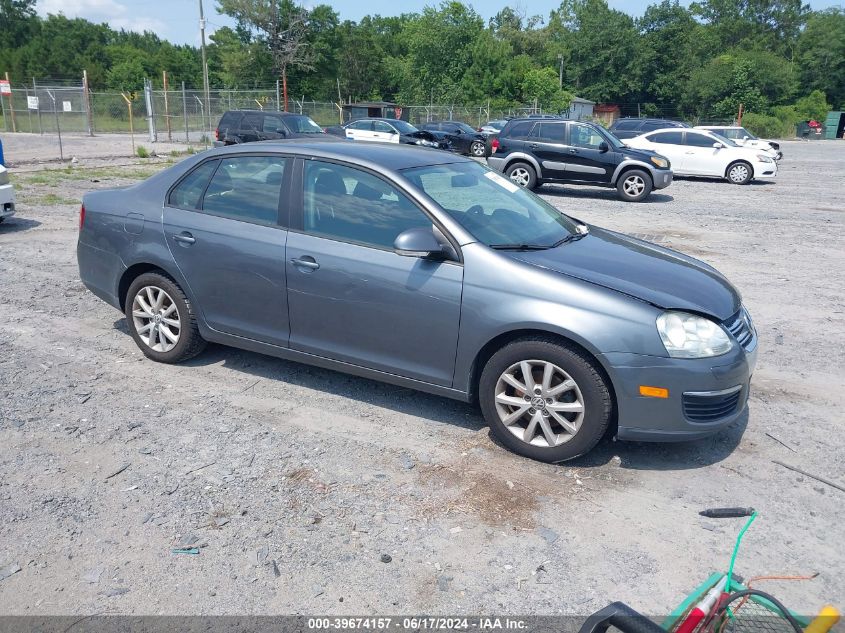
520 176
539 403
477 149
634 185
156 318
738 173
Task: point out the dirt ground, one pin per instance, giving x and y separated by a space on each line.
293 483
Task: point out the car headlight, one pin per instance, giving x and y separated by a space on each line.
427 143
763 158
660 162
688 335
4 177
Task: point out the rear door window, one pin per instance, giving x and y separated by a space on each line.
246 188
648 126
362 125
520 130
551 132
273 123
667 138
251 122
187 194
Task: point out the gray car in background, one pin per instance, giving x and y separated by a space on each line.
427 270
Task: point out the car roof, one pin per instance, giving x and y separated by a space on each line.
718 127
254 111
380 156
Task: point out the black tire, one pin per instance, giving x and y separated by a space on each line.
478 149
593 389
634 185
189 342
739 173
522 174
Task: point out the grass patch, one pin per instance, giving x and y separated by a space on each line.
142 152
48 200
52 177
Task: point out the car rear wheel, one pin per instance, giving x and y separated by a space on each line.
544 400
477 149
161 319
634 185
522 174
740 173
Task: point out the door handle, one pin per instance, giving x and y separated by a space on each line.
573 151
690 152
184 237
305 262
533 146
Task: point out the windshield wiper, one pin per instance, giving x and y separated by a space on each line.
582 230
519 247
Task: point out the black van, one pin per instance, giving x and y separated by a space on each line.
535 151
246 126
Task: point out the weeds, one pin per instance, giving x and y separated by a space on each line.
142 152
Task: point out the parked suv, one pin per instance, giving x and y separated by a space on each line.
535 151
631 127
246 126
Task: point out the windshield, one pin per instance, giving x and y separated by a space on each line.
465 128
403 126
724 139
611 139
493 209
302 124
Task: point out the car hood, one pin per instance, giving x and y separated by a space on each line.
660 276
637 153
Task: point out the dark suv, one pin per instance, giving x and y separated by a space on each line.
535 151
631 127
246 126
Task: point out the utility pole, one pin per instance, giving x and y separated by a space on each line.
560 80
204 70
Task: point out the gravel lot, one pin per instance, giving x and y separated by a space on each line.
294 482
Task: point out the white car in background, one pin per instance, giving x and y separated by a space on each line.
702 153
7 195
744 138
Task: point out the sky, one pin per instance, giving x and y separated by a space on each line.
178 20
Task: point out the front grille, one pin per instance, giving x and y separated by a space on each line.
710 407
741 329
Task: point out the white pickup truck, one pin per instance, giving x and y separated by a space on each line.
7 195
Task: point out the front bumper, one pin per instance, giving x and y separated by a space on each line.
663 179
765 171
722 378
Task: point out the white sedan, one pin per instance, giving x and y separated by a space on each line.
7 195
744 138
702 153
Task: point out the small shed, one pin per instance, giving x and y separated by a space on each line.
379 109
607 113
834 125
580 109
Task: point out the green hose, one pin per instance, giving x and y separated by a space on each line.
736 551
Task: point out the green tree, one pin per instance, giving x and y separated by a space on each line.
541 86
766 24
821 54
597 69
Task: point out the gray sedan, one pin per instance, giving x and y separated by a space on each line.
427 270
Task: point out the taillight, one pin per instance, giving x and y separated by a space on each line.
217 134
494 145
81 216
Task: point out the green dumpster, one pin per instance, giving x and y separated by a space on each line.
834 125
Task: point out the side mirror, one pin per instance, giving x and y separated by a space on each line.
604 147
417 243
459 131
718 145
744 138
281 131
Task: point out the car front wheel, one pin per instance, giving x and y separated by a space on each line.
477 149
522 174
161 319
634 185
544 400
740 173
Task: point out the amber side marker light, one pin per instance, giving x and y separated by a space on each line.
654 392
